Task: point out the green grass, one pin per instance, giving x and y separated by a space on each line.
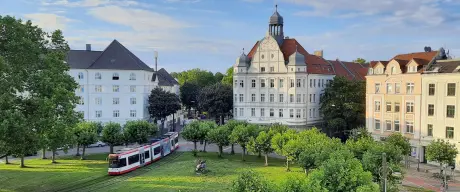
416 189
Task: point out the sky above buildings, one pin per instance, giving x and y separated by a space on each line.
210 34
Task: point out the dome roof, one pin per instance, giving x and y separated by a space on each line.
242 60
297 59
276 18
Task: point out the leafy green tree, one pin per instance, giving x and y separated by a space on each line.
228 78
360 146
87 135
188 95
192 132
294 184
162 104
217 100
282 145
442 152
360 61
202 78
372 162
218 76
343 105
139 131
231 125
251 181
278 128
100 127
341 172
261 144
359 132
219 136
242 134
398 140
205 127
112 135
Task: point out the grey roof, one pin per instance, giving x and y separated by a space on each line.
276 18
115 56
243 60
447 66
164 78
297 59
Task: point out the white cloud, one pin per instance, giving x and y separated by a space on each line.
90 3
49 21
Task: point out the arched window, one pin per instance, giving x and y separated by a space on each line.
115 76
393 70
80 75
98 76
132 76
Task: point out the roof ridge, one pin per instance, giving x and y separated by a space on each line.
100 55
130 54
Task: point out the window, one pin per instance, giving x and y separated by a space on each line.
80 75
241 83
147 154
272 112
272 98
319 82
236 83
262 69
262 97
132 88
410 88
298 68
430 109
388 125
377 88
314 98
314 82
116 101
431 89
409 107
311 83
397 125
116 113
98 114
450 111
98 101
116 88
377 124
280 114
398 88
132 113
132 77
303 98
320 96
430 130
253 112
297 113
115 76
322 82
241 98
253 97
303 83
396 107
98 76
253 83
314 112
309 112
272 82
81 88
388 106
132 101
236 112
389 88
292 82
412 69
236 97
409 127
299 98
304 113
450 89
311 99
81 100
133 159
98 88
262 112
449 132
291 98
281 98
291 113
298 83
393 70
272 69
157 150
377 106
281 83
262 83
241 112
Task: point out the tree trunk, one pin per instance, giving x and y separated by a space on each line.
233 149
6 160
242 154
259 155
162 126
78 150
53 156
220 151
194 144
173 123
204 147
111 149
287 164
83 153
222 120
305 171
43 153
22 162
266 160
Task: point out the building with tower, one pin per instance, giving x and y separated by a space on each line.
279 81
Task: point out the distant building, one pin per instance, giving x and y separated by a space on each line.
278 81
114 84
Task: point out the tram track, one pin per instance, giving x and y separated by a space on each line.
105 181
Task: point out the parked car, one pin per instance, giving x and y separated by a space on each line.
27 155
98 144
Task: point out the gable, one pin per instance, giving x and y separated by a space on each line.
265 55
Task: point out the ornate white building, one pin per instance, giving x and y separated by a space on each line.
278 81
114 84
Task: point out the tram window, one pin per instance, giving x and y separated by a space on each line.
133 159
157 150
122 162
147 155
176 140
113 163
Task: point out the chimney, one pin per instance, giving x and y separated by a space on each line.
88 47
319 53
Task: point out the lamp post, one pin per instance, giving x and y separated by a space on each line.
156 60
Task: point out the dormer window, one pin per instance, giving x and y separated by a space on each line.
371 71
393 70
115 76
80 75
132 76
98 76
412 69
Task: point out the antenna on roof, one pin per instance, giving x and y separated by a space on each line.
276 7
243 50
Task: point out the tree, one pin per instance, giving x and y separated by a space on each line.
372 162
112 135
341 172
196 76
280 144
217 100
442 152
139 131
188 95
261 144
398 140
192 132
228 78
358 133
87 135
218 76
205 127
231 125
162 104
250 181
343 105
219 136
360 146
360 60
100 127
242 134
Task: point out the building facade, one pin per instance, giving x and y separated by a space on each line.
114 84
278 81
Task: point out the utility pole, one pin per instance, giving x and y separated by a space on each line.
156 60
385 171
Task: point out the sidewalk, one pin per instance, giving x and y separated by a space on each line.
424 177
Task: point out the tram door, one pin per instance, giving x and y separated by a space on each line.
141 157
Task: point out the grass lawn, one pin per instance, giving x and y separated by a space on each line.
178 175
415 189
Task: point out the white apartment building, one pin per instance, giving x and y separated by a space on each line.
114 84
278 81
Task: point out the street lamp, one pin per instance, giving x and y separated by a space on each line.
156 60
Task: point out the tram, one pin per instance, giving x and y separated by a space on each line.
129 159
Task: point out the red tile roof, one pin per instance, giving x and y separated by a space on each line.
356 69
419 55
341 70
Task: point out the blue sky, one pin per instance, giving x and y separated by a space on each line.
210 34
